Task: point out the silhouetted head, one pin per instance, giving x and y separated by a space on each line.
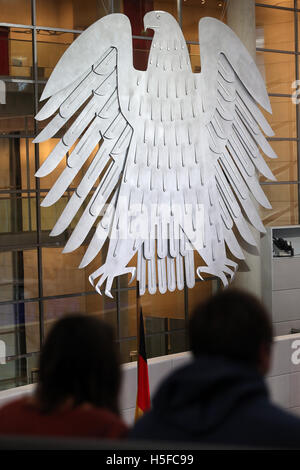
233 324
79 363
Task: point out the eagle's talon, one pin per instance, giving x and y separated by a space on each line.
198 271
132 271
109 294
97 289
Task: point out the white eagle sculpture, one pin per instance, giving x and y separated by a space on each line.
179 150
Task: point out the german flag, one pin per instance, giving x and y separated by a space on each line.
143 391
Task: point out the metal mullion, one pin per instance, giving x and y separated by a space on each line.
28 247
28 177
150 335
25 247
43 190
281 95
277 51
275 7
37 181
279 139
21 80
268 183
21 356
179 12
15 136
16 25
118 301
296 104
12 191
40 28
186 314
53 297
16 80
60 30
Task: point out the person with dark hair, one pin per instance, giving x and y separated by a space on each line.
220 397
78 386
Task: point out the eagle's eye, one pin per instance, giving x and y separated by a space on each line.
158 16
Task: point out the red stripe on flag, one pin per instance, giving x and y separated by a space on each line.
143 395
143 390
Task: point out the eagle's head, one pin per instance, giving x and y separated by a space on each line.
169 50
156 19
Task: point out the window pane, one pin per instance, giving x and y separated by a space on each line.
50 215
285 166
128 351
17 164
177 342
103 307
60 272
194 51
19 50
136 10
16 373
157 337
128 313
19 335
201 291
168 305
141 53
284 202
100 306
283 117
16 115
193 10
15 11
278 71
276 28
50 47
70 14
32 326
19 277
17 215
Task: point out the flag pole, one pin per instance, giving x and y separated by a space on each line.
138 310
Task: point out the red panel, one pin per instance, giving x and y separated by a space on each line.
4 62
135 10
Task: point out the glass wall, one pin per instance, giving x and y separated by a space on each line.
278 60
39 284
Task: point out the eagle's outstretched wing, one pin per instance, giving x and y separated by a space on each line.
85 84
230 88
